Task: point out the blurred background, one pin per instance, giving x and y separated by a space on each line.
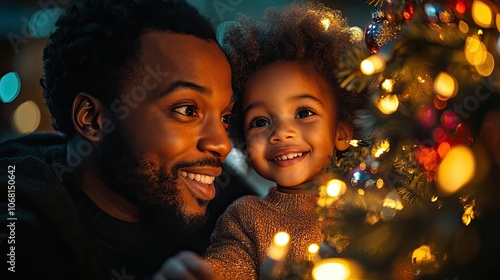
25 25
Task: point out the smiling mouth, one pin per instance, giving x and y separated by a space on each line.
288 156
204 179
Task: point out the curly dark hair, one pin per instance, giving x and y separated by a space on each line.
308 33
96 46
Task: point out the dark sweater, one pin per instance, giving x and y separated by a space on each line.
59 232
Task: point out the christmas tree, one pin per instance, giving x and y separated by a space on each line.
416 197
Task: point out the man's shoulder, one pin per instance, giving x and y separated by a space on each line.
34 144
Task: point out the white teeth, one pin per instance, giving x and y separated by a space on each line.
198 177
288 156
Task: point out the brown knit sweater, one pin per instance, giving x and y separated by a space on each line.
245 231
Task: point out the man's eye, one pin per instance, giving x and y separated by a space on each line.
260 122
304 113
226 118
189 111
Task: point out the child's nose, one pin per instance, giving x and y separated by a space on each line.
282 131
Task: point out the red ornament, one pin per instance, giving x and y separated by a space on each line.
408 10
378 32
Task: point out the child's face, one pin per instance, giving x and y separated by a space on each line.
289 123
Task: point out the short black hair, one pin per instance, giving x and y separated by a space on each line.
308 33
96 44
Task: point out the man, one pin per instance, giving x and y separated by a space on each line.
141 95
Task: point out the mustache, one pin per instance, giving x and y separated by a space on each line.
215 162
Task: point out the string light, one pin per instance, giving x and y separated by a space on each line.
482 14
331 269
457 169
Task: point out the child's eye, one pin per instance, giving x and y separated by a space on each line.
304 113
226 118
260 122
187 110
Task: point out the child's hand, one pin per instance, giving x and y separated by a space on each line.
185 266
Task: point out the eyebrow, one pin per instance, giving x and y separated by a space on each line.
178 85
300 97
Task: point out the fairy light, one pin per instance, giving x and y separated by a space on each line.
312 252
463 26
475 50
457 169
482 14
460 7
390 206
445 85
388 104
388 85
468 214
331 269
276 254
422 254
380 148
354 142
497 20
279 247
373 64
335 187
486 68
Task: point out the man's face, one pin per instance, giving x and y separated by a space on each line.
171 145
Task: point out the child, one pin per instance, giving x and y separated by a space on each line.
293 116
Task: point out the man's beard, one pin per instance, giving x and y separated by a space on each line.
151 188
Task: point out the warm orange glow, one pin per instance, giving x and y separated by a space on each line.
388 104
373 64
422 254
485 69
482 14
475 50
335 187
279 246
331 269
463 26
457 169
445 85
388 85
443 149
460 7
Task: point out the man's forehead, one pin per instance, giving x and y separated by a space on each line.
175 44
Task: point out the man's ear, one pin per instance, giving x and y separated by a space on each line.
87 114
342 137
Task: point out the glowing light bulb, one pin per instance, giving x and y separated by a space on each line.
373 64
388 85
335 187
475 50
331 269
482 14
388 104
486 68
445 85
457 169
279 246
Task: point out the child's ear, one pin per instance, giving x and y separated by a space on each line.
342 137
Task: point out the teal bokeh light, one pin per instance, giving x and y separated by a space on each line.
10 85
